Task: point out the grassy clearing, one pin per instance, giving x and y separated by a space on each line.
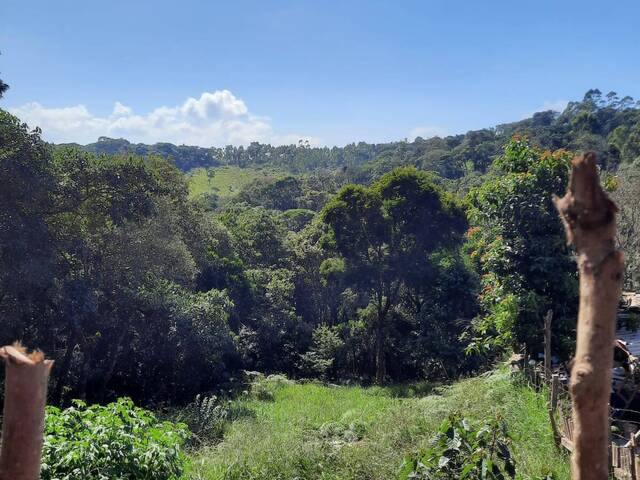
310 431
223 181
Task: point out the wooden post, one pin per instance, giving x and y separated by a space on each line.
589 219
555 386
553 404
632 457
25 395
547 346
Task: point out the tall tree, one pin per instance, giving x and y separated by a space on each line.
519 248
385 234
28 194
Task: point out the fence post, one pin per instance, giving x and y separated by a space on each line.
555 386
632 456
553 403
25 395
547 346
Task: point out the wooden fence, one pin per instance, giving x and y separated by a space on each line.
625 434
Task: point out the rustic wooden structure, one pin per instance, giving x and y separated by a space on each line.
623 458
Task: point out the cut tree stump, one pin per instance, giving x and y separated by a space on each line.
25 396
589 219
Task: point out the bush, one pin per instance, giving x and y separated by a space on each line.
319 360
462 452
206 418
264 388
116 441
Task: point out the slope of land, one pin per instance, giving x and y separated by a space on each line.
223 181
312 431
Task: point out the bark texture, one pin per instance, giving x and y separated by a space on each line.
23 421
589 219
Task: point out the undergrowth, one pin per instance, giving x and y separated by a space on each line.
314 431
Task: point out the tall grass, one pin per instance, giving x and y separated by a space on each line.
311 431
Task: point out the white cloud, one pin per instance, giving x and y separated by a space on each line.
556 106
216 118
120 109
427 131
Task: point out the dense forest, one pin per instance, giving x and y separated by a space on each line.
367 263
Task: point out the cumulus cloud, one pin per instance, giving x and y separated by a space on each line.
427 132
556 106
120 109
214 119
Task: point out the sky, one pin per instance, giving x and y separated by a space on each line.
213 73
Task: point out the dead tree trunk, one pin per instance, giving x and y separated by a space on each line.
25 395
589 219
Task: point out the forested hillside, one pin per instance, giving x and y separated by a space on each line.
373 263
606 124
301 240
362 265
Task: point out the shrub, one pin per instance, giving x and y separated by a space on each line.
206 418
462 452
319 360
264 388
116 441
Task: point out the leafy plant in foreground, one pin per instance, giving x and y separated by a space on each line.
115 441
463 452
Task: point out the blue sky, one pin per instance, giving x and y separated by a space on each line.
335 72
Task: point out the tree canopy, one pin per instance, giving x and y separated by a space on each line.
386 235
519 247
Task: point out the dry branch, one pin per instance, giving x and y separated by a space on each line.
23 422
589 219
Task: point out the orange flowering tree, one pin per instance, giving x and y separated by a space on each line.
518 247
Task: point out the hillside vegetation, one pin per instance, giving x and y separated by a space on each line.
605 123
224 182
399 275
314 431
390 264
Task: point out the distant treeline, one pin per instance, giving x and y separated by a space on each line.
606 124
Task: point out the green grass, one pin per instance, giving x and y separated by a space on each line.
225 182
306 432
